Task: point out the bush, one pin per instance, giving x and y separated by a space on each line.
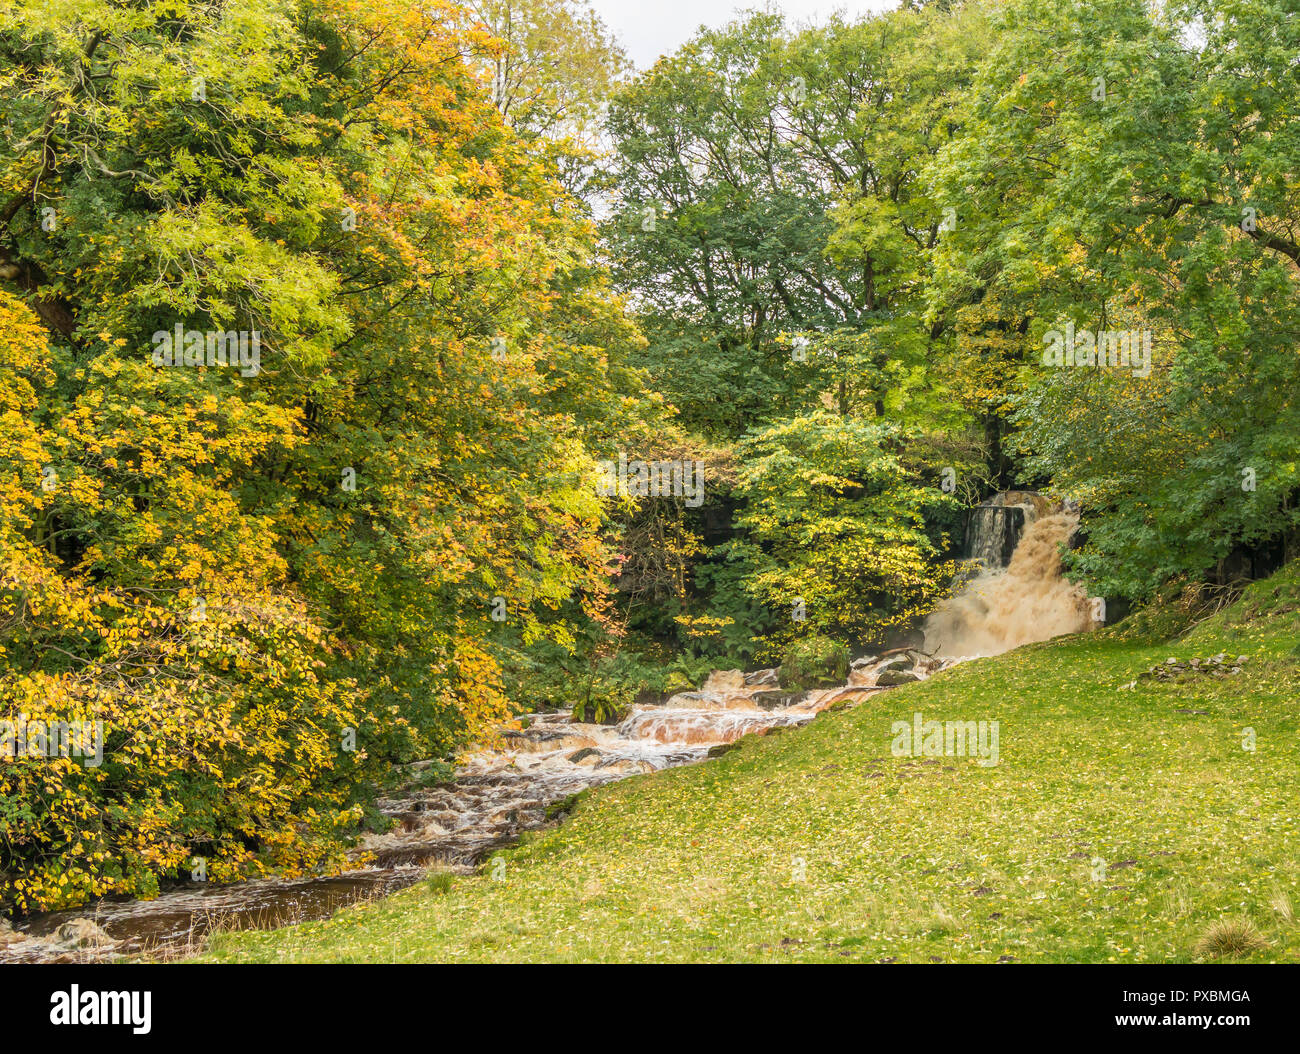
814 662
595 687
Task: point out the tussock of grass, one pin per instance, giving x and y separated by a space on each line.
1230 938
1116 824
439 883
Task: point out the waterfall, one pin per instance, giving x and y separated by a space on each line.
994 528
1026 600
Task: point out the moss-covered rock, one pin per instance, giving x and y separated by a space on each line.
814 662
560 809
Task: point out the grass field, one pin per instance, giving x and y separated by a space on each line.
1118 826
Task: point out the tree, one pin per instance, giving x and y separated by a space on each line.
836 528
772 222
552 70
556 65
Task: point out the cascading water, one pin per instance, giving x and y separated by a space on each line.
1004 607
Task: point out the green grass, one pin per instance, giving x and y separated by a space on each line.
917 859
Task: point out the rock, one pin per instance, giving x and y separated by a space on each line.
83 933
864 662
504 817
763 678
695 701
587 755
739 701
628 766
724 681
1174 670
890 678
774 699
841 699
899 662
545 742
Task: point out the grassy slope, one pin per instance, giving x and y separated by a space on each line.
911 860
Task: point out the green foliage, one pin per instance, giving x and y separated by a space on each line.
597 685
1144 206
775 226
780 172
737 624
921 198
556 65
601 687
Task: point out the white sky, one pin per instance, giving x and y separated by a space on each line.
650 28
